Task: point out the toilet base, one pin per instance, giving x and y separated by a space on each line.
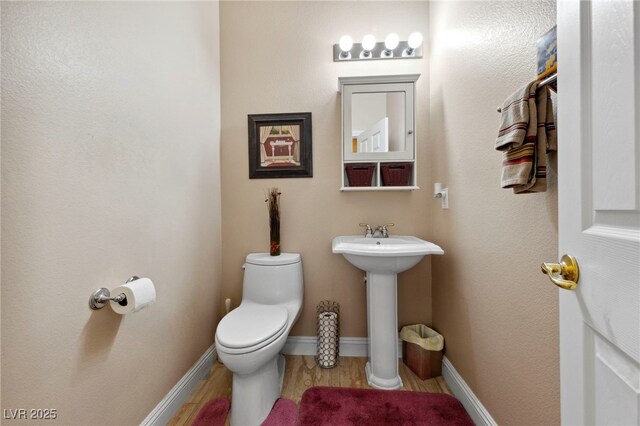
253 395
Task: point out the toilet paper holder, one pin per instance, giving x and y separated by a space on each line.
101 296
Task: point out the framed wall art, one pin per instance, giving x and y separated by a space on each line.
280 145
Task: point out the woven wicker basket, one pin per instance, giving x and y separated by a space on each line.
360 174
396 174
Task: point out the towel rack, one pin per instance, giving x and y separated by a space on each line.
552 78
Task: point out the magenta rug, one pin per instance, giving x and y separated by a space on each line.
365 407
283 413
214 413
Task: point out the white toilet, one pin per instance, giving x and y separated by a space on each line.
249 338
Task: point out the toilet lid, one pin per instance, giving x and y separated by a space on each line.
265 259
249 325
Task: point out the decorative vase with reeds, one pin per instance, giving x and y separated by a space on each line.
273 205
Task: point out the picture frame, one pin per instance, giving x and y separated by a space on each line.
280 145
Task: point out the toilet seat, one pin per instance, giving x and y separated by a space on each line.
251 327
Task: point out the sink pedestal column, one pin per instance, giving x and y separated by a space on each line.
382 324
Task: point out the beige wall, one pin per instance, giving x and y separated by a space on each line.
498 313
110 168
278 57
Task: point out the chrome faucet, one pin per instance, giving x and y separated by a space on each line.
368 232
380 232
382 229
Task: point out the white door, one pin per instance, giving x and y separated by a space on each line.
599 205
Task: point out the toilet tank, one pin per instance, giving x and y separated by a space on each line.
272 279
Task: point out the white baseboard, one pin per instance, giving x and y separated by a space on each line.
300 345
171 403
349 346
461 390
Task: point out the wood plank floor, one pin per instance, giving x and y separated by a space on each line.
301 373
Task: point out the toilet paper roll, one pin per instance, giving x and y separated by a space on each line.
139 293
327 339
328 322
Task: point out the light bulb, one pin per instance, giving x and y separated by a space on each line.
415 40
346 43
391 42
368 42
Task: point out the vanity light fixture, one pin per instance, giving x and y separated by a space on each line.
369 49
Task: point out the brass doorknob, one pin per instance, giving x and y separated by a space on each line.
564 274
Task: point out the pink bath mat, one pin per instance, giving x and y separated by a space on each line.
283 413
367 407
213 413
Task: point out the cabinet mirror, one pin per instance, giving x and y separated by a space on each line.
377 122
378 128
378 118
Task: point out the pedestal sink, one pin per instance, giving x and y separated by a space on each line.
383 259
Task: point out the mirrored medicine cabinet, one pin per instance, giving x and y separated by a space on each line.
378 133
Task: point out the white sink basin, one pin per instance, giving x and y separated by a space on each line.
384 255
383 259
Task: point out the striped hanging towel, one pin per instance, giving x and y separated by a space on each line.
527 133
545 143
517 137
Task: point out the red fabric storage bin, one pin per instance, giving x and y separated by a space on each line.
395 174
360 174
